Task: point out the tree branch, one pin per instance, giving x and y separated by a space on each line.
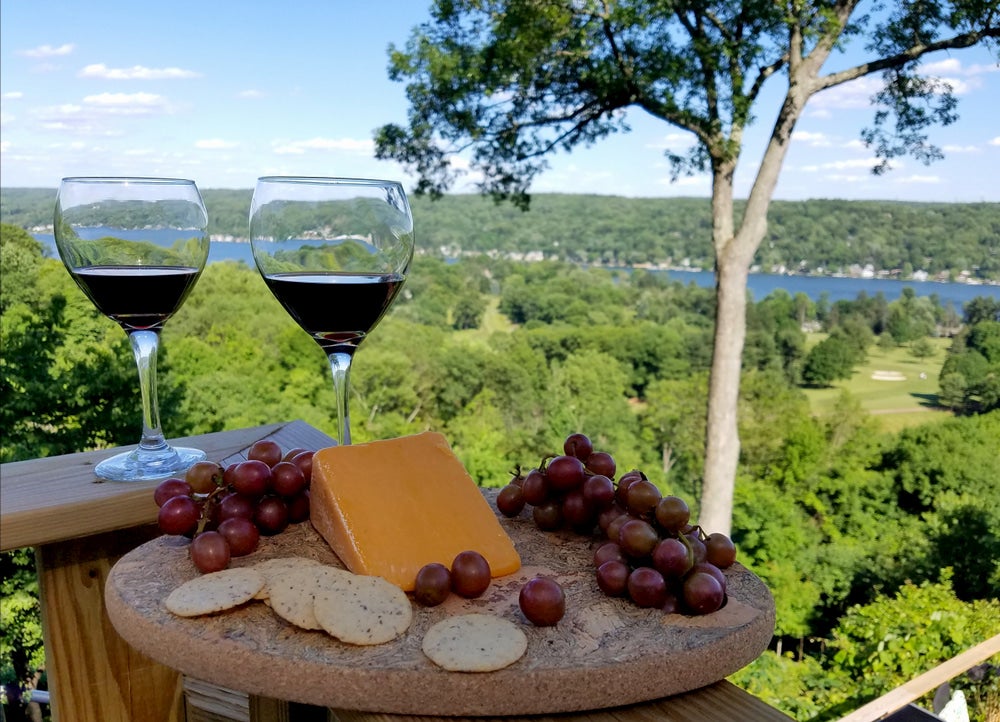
964 40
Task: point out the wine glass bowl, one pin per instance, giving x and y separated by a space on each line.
136 247
335 253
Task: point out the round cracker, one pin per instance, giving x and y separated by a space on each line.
272 567
362 610
291 592
474 643
214 592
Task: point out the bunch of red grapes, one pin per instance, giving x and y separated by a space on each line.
650 551
225 511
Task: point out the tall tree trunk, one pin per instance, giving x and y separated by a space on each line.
722 442
734 252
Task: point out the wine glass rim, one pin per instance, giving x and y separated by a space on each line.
125 180
326 180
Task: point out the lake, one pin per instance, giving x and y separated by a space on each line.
760 284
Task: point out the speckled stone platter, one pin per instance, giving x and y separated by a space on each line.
605 652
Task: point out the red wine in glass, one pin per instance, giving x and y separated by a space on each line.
136 297
335 253
336 309
136 247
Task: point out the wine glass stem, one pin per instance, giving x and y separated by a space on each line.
340 365
145 345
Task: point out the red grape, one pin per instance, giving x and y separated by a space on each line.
548 516
236 505
608 515
298 507
204 477
287 479
292 453
637 538
698 551
612 578
577 512
510 500
642 497
470 574
672 605
564 473
672 513
672 558
599 491
251 478
646 587
542 601
601 462
608 551
720 550
228 474
613 529
535 488
433 584
711 570
210 552
179 515
628 478
271 515
304 461
578 445
265 450
170 488
702 593
241 534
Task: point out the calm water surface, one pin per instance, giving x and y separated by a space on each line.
760 284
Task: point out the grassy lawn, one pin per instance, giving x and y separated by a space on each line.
889 385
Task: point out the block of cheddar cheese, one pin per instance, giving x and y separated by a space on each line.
387 508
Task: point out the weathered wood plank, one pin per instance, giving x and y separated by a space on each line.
59 498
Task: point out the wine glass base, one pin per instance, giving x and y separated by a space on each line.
144 465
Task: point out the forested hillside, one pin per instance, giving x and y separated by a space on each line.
821 236
861 536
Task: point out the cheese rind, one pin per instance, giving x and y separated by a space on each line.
387 508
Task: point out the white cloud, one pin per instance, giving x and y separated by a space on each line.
47 51
250 94
921 179
816 140
136 72
13 95
4 146
841 165
853 94
960 148
350 145
126 103
215 144
673 141
995 141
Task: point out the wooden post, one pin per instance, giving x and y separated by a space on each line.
102 679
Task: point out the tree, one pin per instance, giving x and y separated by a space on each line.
831 359
513 81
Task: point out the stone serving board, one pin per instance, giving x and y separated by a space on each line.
605 652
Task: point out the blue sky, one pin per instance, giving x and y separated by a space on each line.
223 92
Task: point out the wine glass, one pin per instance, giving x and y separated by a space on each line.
334 252
136 246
